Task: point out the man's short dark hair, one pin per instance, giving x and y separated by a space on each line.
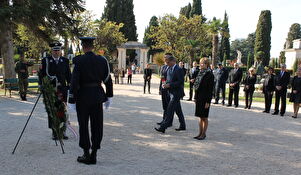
169 54
171 58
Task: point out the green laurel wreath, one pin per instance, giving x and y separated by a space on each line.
54 107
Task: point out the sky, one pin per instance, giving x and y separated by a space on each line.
243 15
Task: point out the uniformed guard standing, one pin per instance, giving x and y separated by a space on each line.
89 73
22 71
57 69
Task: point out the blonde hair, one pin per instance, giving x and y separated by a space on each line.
205 61
252 70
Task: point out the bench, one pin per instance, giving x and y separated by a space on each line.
11 84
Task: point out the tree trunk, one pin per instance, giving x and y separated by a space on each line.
7 51
66 47
214 49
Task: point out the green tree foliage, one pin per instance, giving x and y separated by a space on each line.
225 43
295 66
250 60
185 11
263 37
122 11
294 33
149 41
180 35
42 18
108 36
246 46
214 28
196 8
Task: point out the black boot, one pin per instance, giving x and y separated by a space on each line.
84 158
24 96
93 156
54 136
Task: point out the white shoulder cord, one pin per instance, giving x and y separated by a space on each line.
51 77
108 71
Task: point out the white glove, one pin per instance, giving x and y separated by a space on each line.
108 103
71 107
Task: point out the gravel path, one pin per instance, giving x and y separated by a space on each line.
238 141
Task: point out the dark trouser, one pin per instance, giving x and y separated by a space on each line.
190 90
129 79
213 92
165 100
280 94
23 84
217 91
268 96
148 82
94 112
235 91
116 80
174 105
249 98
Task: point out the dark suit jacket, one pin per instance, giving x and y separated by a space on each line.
269 83
205 89
283 81
163 72
222 76
60 70
89 72
193 75
147 73
235 77
250 81
177 82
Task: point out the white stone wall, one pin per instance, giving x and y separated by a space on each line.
291 57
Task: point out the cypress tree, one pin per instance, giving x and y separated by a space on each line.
225 43
263 38
186 10
250 60
122 11
282 58
294 33
150 42
196 8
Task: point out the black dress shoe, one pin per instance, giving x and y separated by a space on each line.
275 113
294 116
159 123
223 103
281 115
180 129
229 105
84 159
65 137
202 138
189 100
160 130
93 157
249 107
246 107
236 106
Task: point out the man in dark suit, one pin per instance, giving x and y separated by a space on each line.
184 71
90 71
174 85
57 69
147 77
192 75
235 77
282 80
221 79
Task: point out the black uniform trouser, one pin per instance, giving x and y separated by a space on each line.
235 91
116 80
217 91
268 96
165 100
280 95
191 90
94 112
148 81
129 79
249 97
174 105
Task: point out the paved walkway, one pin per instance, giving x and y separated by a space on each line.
238 141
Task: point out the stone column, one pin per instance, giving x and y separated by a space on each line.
121 58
